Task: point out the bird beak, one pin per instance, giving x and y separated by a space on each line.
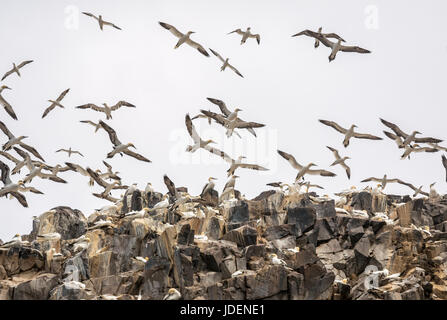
5 87
236 176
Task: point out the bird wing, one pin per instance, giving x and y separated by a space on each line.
256 36
334 36
24 63
353 49
31 150
112 134
111 24
107 165
62 95
136 155
91 106
252 167
170 185
7 74
20 197
235 70
78 153
323 173
8 108
366 136
222 106
217 55
372 179
172 29
88 122
244 125
5 173
427 140
291 160
105 197
238 31
317 36
335 152
334 125
197 46
47 110
5 130
21 153
122 103
191 129
219 153
77 168
404 183
275 184
9 157
96 177
395 128
91 15
217 117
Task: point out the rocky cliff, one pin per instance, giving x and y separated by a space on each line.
276 246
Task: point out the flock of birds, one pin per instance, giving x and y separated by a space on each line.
227 118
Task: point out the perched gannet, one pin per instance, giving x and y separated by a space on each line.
101 22
141 259
237 273
96 125
198 142
247 34
335 46
148 188
303 170
444 163
415 148
226 63
106 109
17 141
341 161
10 187
230 183
81 244
137 214
317 42
55 103
16 241
235 164
163 204
16 69
173 294
424 229
184 38
384 181
5 104
347 192
77 168
102 223
50 236
226 112
412 137
209 186
349 133
70 152
119 147
276 261
433 195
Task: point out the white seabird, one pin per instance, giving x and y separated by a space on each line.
326 35
184 38
384 181
10 187
246 35
173 294
341 161
303 170
8 108
17 140
209 186
106 109
349 133
198 142
226 63
405 136
96 125
16 241
101 22
55 103
16 69
70 152
409 149
234 164
108 187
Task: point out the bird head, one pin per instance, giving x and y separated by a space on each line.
242 157
191 32
211 178
416 132
131 145
22 137
16 235
320 29
354 126
172 291
20 183
210 141
432 184
237 110
353 188
146 210
146 258
236 176
5 87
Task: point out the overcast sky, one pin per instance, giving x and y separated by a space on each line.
287 85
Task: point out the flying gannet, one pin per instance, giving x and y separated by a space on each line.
226 63
163 204
384 181
184 38
17 140
106 197
444 163
108 187
10 187
349 133
341 161
119 147
198 142
409 138
77 168
235 164
335 46
109 174
106 109
303 170
173 294
55 103
246 35
70 151
171 187
16 69
96 125
317 42
101 22
409 149
8 108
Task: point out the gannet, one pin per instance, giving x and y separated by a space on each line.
349 133
137 214
8 108
235 164
209 186
55 103
437 146
16 241
416 148
247 34
226 63
141 259
276 261
444 163
108 187
70 152
308 185
101 22
109 174
81 244
341 161
335 46
230 183
202 116
17 140
10 187
304 170
173 294
184 38
148 188
403 135
198 142
50 236
163 204
317 42
226 112
384 181
96 125
171 187
77 168
119 147
19 163
237 273
16 69
102 223
106 109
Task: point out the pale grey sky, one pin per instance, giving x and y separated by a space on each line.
288 85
